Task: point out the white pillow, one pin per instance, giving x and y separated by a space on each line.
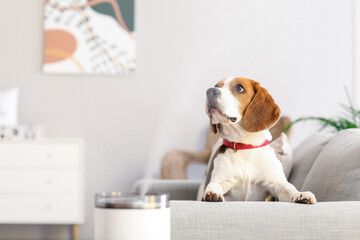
283 152
9 107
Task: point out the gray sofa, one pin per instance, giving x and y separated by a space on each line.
327 165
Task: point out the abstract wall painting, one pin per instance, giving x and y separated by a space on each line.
89 37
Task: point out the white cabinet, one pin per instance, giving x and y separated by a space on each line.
42 182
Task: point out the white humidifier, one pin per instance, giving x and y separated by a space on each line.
121 216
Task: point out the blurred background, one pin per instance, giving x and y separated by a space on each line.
301 51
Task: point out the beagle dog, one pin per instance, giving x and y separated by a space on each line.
246 167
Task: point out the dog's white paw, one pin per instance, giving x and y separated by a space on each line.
211 196
304 197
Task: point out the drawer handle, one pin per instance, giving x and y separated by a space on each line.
49 181
49 156
48 207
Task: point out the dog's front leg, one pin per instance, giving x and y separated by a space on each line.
222 180
286 192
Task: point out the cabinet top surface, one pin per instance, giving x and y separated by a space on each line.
45 141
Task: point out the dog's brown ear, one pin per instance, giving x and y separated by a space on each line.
213 127
262 112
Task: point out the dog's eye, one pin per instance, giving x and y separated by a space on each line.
239 88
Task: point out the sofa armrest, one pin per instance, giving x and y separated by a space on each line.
178 189
264 220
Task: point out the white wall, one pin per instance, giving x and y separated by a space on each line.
356 55
300 50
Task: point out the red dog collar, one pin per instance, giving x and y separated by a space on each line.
242 146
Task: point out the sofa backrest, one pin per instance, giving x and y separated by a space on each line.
304 156
335 174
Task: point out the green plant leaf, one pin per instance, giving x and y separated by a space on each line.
350 118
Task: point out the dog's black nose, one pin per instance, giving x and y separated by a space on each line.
212 92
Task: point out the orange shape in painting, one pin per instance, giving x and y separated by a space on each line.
59 41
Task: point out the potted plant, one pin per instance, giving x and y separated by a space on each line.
349 119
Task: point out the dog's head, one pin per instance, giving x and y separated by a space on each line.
241 101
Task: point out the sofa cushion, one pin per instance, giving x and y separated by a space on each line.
264 220
178 189
304 156
335 174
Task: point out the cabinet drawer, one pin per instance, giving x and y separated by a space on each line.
37 154
40 209
39 180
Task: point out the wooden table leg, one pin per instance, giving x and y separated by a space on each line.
75 232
